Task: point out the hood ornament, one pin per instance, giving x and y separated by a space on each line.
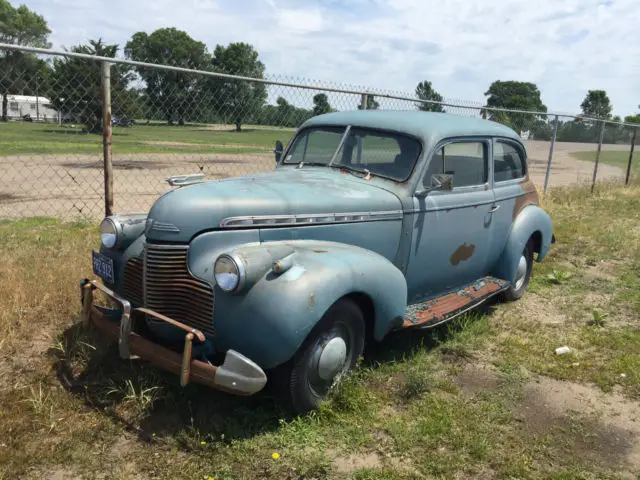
184 180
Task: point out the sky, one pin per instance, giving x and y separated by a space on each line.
566 47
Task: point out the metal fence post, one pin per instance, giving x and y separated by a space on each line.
106 137
363 101
633 143
595 168
553 143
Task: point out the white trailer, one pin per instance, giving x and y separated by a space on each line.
38 108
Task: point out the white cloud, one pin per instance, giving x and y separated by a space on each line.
565 47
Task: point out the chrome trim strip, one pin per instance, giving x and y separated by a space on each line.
340 145
250 221
166 246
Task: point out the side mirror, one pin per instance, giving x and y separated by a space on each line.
278 150
439 181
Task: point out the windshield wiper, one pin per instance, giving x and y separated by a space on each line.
364 173
318 164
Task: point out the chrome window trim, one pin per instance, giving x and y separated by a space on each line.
250 221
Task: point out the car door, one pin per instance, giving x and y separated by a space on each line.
451 234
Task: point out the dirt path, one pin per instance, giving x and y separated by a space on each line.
68 186
575 419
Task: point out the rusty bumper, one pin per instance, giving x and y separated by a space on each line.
238 374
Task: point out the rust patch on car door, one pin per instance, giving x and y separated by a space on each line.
528 197
462 253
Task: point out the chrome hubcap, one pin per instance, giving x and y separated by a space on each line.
332 359
328 361
521 272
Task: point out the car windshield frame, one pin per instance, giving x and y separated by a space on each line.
345 134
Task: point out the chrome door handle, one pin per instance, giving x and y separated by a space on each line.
494 208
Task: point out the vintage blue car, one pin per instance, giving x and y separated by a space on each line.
372 221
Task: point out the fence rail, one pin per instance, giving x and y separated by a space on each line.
161 120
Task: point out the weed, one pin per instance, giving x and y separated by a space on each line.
417 382
558 276
598 318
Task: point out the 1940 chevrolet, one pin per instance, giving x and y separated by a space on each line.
372 221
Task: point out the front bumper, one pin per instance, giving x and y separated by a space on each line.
238 374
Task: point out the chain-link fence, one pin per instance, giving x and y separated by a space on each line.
67 116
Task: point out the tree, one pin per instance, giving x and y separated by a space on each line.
596 104
20 26
285 112
174 93
75 85
321 104
515 95
424 91
372 104
240 99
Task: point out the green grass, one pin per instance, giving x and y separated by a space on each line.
612 157
450 403
39 139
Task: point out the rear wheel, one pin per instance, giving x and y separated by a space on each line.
523 274
328 354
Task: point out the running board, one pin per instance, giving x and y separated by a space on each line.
441 309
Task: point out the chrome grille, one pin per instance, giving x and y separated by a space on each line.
133 280
170 289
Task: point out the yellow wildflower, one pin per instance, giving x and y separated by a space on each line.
275 456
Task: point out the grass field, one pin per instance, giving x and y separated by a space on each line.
485 397
615 158
36 139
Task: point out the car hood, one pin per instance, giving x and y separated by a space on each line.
182 213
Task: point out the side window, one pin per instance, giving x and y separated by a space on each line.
507 162
466 161
436 167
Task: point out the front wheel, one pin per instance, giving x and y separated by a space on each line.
328 354
523 274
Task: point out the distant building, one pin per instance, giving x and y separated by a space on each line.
38 108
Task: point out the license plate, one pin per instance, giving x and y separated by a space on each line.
103 267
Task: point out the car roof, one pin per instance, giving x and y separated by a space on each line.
431 127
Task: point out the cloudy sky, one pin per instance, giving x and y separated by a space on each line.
565 46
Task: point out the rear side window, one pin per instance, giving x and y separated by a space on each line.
508 163
466 161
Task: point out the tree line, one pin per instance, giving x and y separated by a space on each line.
175 97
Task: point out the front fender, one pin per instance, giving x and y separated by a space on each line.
271 317
530 220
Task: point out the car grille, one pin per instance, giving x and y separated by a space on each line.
169 288
133 280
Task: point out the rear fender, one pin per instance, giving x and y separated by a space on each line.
530 220
272 315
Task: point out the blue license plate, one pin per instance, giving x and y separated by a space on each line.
103 267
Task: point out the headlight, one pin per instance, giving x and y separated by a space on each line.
228 273
108 233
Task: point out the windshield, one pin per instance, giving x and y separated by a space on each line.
386 154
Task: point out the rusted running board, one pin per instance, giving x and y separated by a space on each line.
440 309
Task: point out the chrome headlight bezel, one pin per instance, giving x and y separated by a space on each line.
110 232
239 271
